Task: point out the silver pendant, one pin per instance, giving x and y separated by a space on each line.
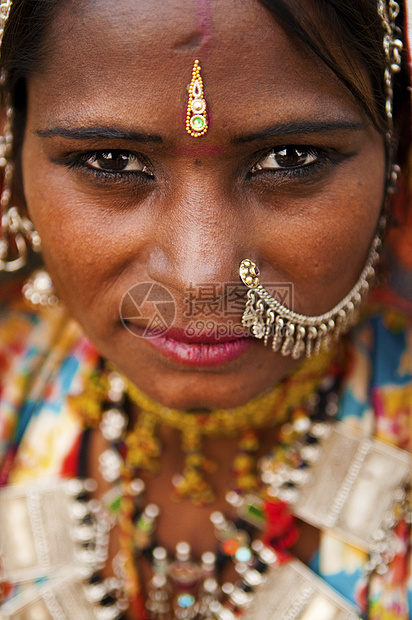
35 530
56 531
61 598
293 592
353 485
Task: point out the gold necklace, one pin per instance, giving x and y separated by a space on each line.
262 411
143 447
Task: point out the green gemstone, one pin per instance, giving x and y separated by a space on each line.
255 511
198 123
115 505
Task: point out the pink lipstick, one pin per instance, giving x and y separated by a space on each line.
200 353
199 350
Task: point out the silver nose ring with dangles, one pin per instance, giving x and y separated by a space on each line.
297 334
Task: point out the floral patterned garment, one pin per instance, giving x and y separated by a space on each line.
377 398
44 360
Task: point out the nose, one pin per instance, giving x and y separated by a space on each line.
201 239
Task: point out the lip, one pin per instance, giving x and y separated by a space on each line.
197 350
204 337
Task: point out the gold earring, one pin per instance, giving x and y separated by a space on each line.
18 234
196 114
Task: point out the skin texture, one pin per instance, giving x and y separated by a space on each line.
202 208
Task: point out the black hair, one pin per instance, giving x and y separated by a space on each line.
22 50
352 43
352 40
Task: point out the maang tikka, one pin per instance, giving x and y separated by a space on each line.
196 113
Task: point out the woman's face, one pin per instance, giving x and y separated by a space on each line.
290 174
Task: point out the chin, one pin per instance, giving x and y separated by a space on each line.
217 388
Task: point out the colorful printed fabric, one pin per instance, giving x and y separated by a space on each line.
38 428
43 361
377 398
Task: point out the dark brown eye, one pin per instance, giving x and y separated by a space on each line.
287 157
115 161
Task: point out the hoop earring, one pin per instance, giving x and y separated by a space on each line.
18 234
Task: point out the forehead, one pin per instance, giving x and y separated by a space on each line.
135 60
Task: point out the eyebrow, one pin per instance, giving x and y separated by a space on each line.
299 128
98 133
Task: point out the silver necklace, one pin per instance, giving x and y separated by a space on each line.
73 548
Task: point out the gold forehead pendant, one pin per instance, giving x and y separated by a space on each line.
196 115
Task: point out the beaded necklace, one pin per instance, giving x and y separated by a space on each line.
255 537
182 588
143 447
253 541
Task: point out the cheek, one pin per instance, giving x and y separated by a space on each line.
320 244
86 249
